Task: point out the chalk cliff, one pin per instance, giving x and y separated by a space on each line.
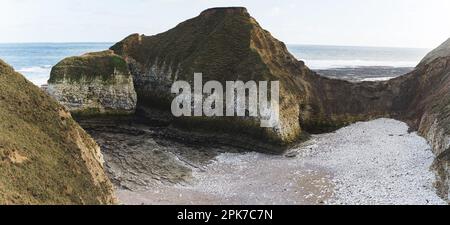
227 44
94 84
431 112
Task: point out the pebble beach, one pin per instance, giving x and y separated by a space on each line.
376 162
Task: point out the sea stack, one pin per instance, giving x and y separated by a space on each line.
45 156
94 84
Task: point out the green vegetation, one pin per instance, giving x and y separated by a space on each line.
45 157
89 67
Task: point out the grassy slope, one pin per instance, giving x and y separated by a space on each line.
45 157
89 67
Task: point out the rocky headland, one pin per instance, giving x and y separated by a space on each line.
228 44
94 84
45 156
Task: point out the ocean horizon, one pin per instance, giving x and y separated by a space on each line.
35 60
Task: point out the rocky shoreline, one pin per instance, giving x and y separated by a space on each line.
148 165
365 73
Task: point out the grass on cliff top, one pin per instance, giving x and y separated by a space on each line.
89 67
223 46
217 45
40 163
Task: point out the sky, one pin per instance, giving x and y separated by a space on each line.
390 23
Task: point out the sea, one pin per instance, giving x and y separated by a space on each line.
35 60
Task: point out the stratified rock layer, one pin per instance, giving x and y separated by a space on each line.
431 106
45 156
94 84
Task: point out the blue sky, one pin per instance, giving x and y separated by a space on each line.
398 23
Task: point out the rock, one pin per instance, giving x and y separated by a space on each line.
94 84
291 154
442 51
45 156
431 107
227 44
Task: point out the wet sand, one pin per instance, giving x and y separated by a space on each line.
248 179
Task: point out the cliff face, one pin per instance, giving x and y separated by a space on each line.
94 84
227 44
431 108
45 156
420 98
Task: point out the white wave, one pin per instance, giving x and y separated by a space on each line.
36 69
38 75
377 79
333 64
37 80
